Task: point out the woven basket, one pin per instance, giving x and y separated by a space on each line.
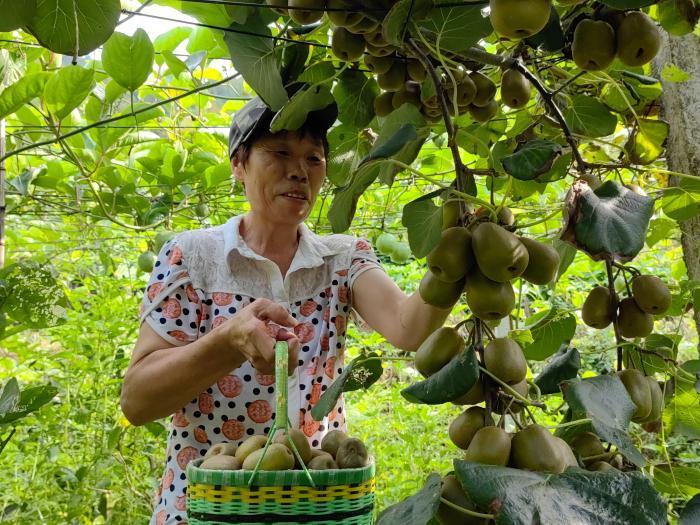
315 497
340 496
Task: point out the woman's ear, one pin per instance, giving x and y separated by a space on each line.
237 168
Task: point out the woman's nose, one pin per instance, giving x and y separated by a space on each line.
298 170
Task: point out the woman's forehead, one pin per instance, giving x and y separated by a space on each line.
291 137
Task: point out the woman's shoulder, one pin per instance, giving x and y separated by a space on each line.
339 243
201 243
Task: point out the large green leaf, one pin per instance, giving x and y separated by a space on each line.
21 92
128 59
587 116
348 146
448 383
74 27
16 14
423 222
605 401
255 57
555 329
399 18
520 497
344 203
682 416
295 112
361 372
676 480
532 158
564 365
456 28
170 40
417 509
9 396
355 93
67 89
611 221
646 142
30 400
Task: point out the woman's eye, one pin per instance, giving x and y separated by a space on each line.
282 153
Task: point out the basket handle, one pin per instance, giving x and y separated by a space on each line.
281 417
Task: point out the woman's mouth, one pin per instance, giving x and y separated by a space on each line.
294 195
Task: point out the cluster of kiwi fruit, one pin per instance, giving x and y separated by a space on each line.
634 314
481 259
632 37
532 448
647 396
338 451
389 245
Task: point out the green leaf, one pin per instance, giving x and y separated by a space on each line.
567 254
405 135
610 221
663 346
456 28
67 89
520 497
15 14
30 400
417 509
691 512
532 158
587 116
295 112
676 480
57 23
348 146
399 18
170 40
9 396
606 402
175 65
564 365
555 329
355 93
679 204
646 143
677 17
318 72
22 92
128 59
423 222
255 58
660 229
672 73
361 372
682 415
344 203
447 384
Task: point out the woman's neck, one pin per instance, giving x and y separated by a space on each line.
277 242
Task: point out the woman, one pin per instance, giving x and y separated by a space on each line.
219 297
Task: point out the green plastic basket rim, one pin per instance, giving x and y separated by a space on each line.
240 478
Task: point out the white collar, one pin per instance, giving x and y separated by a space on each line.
310 253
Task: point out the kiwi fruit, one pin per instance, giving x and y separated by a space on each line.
651 294
278 6
638 39
473 396
408 94
515 89
586 445
324 462
489 445
306 11
594 45
543 262
383 103
518 19
601 466
339 12
394 78
221 462
351 453
346 45
299 440
332 441
440 294
465 425
378 64
597 311
637 387
227 449
452 258
485 89
534 448
504 358
657 400
499 253
452 491
437 350
632 320
276 457
487 299
249 446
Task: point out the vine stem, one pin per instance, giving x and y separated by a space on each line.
467 511
572 423
460 169
613 305
510 390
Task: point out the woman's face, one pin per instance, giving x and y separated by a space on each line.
282 176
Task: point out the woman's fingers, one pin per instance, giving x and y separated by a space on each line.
266 310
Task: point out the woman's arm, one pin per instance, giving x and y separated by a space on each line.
404 321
